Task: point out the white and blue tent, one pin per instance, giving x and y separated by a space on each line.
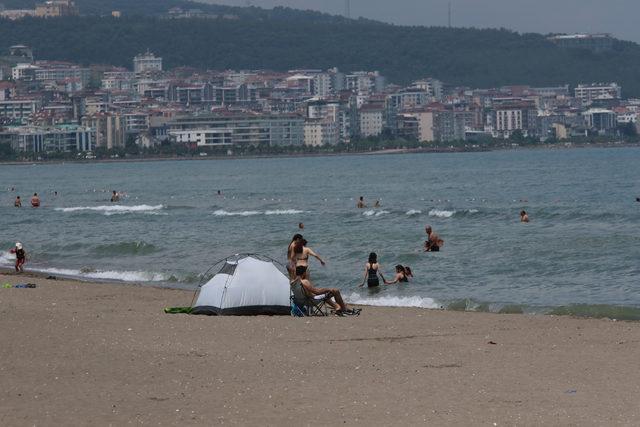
245 285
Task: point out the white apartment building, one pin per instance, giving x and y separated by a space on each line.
508 120
371 120
204 137
597 91
24 72
146 62
321 132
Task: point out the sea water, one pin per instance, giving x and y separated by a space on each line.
580 252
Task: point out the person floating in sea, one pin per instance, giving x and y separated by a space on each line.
333 293
301 254
433 242
400 277
301 226
35 201
371 272
638 199
291 256
361 204
21 256
408 272
377 204
18 202
524 217
115 197
219 193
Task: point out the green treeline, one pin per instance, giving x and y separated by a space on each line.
283 39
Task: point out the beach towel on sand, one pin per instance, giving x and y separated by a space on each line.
178 310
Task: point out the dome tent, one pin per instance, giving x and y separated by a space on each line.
245 285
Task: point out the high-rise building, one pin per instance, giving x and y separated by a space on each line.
56 8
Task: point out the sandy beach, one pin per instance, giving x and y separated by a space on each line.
78 353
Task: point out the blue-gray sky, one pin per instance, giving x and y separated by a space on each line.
618 17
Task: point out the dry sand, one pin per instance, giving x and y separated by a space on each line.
75 353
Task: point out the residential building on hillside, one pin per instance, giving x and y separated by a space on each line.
319 132
593 42
588 93
56 8
371 120
65 138
147 63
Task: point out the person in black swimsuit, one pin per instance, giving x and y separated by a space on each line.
371 271
401 276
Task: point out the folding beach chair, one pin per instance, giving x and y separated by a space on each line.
303 304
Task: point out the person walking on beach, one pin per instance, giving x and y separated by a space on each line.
291 258
21 256
371 272
301 254
18 202
400 277
35 201
361 204
524 217
433 242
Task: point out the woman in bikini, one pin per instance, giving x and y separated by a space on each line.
301 255
291 259
371 272
401 276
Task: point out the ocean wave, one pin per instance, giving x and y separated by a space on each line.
374 213
221 212
284 212
440 213
125 248
122 276
412 212
115 209
598 311
7 258
391 301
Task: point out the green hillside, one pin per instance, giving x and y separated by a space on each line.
282 39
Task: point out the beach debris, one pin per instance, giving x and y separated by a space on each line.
571 391
52 278
19 286
492 343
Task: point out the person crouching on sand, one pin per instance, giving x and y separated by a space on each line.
333 293
401 276
35 201
21 256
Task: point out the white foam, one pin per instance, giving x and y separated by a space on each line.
124 276
221 212
413 212
380 213
473 211
374 213
389 301
284 212
7 258
441 213
114 209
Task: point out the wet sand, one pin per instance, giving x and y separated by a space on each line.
78 353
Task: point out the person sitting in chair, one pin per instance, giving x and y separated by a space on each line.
335 299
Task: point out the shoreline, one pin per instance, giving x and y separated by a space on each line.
90 353
578 310
391 151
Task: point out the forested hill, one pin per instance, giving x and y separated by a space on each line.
282 39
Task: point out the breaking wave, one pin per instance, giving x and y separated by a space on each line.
221 212
413 212
115 209
374 213
122 276
441 213
390 301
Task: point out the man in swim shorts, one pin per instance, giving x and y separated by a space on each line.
434 242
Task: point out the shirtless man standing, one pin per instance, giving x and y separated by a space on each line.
434 242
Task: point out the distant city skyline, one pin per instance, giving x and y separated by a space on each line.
542 16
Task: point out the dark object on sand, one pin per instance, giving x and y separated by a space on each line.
52 278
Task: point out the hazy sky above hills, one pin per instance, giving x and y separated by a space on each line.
541 16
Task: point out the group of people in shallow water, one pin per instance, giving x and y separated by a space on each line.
35 201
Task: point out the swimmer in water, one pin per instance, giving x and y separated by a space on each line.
371 272
361 204
301 226
434 242
115 197
377 204
35 201
18 202
401 276
524 217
